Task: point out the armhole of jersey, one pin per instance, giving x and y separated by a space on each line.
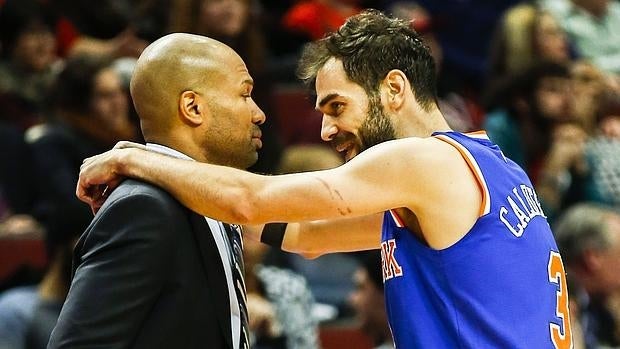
485 206
397 220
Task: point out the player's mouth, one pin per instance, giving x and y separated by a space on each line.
347 149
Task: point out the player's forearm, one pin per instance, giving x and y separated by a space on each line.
219 192
315 238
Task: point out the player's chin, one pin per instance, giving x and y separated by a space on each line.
351 153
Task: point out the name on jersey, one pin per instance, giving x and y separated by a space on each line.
521 207
390 266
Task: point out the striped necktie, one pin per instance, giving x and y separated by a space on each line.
236 244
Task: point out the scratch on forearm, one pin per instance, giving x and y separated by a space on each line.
329 190
343 211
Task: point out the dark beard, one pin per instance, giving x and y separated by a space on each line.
377 128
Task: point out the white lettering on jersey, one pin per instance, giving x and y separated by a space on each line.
391 268
520 211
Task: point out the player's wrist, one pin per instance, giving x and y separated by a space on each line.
123 162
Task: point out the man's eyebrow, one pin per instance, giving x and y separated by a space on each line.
326 100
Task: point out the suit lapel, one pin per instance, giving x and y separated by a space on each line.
214 270
77 254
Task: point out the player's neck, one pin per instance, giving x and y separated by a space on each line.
422 124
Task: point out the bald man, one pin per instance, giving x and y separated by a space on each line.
148 272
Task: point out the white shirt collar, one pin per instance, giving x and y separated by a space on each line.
158 148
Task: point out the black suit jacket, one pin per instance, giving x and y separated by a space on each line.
147 274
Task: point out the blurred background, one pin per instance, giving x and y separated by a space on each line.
541 77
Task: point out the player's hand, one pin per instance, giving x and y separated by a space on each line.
98 177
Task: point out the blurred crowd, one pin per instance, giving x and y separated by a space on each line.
541 77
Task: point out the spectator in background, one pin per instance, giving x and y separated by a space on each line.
526 36
563 171
235 23
368 301
29 313
601 153
589 85
90 112
232 22
28 62
16 177
279 303
593 26
524 111
582 162
588 236
17 198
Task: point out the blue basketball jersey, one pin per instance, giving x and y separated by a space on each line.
501 286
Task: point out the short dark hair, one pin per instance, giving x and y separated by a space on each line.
581 227
369 45
73 88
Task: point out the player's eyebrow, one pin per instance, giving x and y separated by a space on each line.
326 100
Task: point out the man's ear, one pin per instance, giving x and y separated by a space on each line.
395 84
192 111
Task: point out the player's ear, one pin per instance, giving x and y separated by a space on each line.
192 109
395 86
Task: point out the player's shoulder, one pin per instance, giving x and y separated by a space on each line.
422 156
404 145
418 149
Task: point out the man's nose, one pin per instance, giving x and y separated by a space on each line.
328 128
258 117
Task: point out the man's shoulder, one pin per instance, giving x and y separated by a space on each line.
135 209
141 194
136 188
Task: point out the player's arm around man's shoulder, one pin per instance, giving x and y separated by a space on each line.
427 177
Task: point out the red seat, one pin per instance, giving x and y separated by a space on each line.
343 337
298 121
16 252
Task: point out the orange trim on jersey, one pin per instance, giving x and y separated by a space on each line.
399 222
485 207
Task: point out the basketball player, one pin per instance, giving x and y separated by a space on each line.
468 258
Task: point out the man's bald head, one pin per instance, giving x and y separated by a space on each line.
169 66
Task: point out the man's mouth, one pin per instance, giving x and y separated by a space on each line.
256 138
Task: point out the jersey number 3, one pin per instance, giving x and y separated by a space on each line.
558 276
